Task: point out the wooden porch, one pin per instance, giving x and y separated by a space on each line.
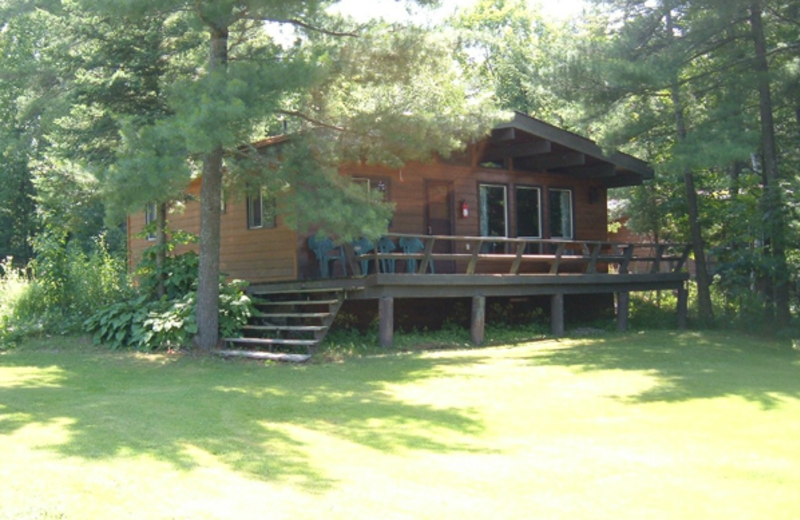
481 267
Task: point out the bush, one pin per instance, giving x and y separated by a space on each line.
169 322
14 284
59 289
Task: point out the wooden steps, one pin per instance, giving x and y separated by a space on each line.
286 320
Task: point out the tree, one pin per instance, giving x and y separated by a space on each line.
339 84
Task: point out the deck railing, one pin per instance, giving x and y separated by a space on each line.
499 255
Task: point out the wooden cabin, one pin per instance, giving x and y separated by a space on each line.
521 214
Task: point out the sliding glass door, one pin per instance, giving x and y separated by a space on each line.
493 215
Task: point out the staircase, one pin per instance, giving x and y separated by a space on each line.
287 321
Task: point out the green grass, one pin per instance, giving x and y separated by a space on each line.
656 425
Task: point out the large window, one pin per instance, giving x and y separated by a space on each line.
261 210
560 213
150 216
528 212
493 216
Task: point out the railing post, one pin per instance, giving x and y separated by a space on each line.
557 260
423 267
626 260
687 249
478 319
476 250
656 268
518 257
591 268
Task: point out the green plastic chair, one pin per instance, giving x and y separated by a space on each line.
361 247
385 245
413 246
326 252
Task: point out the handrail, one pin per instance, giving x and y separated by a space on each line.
590 256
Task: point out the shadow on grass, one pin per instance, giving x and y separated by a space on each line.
243 415
690 365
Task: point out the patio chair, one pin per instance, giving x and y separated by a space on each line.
413 246
326 252
361 247
386 245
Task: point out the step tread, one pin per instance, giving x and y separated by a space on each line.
273 341
297 328
295 291
298 302
274 356
292 315
333 290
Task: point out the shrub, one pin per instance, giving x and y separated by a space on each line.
166 323
14 284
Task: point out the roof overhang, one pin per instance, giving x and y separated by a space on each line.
534 145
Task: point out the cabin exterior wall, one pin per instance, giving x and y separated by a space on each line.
276 254
255 255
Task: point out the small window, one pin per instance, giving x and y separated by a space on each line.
560 213
379 185
261 211
150 217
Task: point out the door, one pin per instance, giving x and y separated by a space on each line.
439 219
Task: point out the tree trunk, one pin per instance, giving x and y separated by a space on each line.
704 307
161 246
772 200
207 312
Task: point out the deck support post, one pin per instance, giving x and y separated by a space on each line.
557 315
478 320
683 307
623 310
386 321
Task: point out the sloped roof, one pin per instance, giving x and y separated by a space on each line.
534 145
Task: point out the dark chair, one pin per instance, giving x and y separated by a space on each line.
326 252
413 246
361 247
385 245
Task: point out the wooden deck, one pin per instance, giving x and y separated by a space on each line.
513 268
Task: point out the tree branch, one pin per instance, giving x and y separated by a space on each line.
304 25
313 121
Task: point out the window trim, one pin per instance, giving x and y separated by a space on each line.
150 216
262 216
571 213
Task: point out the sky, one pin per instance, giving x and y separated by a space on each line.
394 10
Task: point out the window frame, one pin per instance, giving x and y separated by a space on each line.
381 184
265 220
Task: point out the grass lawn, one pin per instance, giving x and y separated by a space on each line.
654 425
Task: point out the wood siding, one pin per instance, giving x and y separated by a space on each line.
261 255
256 255
407 191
